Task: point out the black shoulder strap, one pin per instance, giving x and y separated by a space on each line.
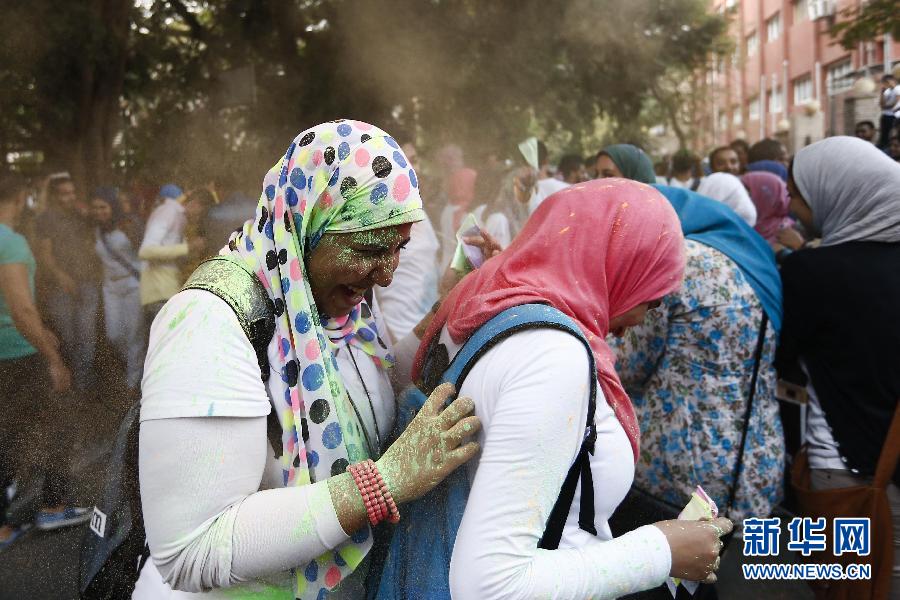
580 469
245 294
757 359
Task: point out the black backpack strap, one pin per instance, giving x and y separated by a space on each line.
242 290
507 323
739 462
580 469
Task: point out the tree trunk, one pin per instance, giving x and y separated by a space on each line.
101 81
669 104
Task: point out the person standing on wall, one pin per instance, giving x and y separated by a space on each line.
890 106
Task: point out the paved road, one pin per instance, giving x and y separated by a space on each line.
44 565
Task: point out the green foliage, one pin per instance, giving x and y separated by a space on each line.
866 22
484 74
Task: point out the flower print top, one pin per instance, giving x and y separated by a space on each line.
687 369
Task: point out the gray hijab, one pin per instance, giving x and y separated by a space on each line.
853 189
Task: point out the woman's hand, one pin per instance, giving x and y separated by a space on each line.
695 547
431 447
429 450
60 376
489 247
67 284
790 238
487 243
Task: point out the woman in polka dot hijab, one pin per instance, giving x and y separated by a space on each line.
338 177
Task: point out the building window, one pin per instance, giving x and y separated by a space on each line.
803 90
801 11
721 64
752 44
753 109
737 118
773 27
775 100
838 79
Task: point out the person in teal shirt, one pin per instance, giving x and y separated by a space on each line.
14 250
33 379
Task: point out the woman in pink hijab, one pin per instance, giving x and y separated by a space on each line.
602 253
769 194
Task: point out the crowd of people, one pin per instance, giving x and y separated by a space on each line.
672 299
78 269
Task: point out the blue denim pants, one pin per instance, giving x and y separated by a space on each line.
75 320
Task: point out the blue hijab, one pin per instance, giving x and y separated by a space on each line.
713 224
769 166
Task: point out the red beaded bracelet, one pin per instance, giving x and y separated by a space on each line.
384 494
376 497
366 489
375 486
393 511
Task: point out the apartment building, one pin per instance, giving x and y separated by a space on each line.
788 77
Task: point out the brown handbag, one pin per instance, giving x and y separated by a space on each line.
858 501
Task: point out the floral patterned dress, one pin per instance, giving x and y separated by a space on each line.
688 370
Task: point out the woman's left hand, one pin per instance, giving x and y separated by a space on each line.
490 248
790 238
434 444
488 245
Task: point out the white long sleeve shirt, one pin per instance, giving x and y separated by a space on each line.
531 393
163 244
212 517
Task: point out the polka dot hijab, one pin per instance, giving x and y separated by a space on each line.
342 176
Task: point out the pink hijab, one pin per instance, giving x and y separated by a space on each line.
594 251
770 196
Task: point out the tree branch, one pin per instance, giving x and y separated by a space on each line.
197 30
867 23
670 108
